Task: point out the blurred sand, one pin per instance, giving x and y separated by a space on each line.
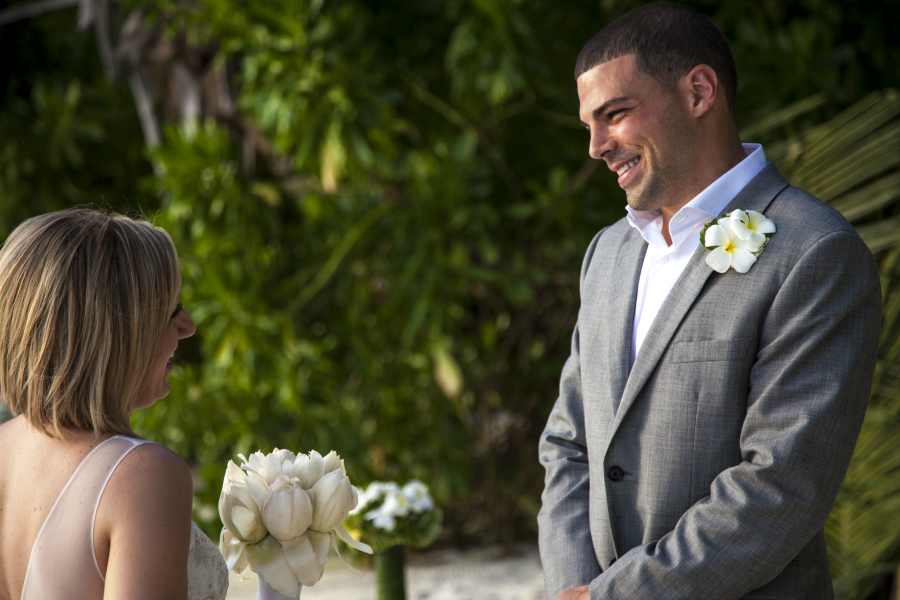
483 574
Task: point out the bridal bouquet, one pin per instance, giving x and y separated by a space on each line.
389 515
280 512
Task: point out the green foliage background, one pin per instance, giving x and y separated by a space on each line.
391 270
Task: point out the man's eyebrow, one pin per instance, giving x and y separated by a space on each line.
598 112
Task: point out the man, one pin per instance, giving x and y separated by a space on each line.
705 420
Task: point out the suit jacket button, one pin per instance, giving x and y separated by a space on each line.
615 473
612 562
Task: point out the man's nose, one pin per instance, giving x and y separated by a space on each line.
601 143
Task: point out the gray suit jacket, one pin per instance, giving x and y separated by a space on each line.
708 469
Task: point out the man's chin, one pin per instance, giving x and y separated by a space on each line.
639 203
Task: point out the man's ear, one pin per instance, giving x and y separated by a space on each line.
700 89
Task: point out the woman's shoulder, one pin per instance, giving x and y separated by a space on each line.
148 498
151 465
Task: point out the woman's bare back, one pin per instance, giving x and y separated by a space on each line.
36 469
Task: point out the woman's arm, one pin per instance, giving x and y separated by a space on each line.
145 514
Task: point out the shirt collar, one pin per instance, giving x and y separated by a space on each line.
705 205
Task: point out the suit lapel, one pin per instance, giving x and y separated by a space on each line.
757 195
629 261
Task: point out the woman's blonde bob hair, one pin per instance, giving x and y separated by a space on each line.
84 299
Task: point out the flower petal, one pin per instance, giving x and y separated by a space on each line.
240 494
268 560
717 235
284 455
357 572
315 470
718 259
288 509
332 461
759 223
258 489
738 222
303 560
301 465
754 242
333 500
271 468
245 574
743 260
234 472
233 551
248 527
226 502
342 533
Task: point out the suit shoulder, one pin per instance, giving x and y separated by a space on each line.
802 220
810 232
610 236
817 217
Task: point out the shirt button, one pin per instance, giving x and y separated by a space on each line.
615 473
665 259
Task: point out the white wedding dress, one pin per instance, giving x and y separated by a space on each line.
207 571
62 558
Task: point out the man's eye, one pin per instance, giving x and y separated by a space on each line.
614 114
177 310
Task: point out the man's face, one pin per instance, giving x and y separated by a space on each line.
640 130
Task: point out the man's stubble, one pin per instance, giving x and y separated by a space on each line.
672 167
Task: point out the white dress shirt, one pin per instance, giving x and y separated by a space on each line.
663 264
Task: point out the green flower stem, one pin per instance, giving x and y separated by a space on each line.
390 573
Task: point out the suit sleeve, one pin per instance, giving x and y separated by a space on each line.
564 533
808 394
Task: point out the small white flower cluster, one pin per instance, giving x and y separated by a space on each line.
395 502
736 240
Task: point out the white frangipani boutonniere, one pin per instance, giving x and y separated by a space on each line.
736 239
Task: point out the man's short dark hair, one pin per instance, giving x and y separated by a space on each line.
667 40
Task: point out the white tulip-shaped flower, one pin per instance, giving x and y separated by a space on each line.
240 505
732 250
308 469
287 511
284 455
333 499
234 551
269 466
333 462
750 225
254 463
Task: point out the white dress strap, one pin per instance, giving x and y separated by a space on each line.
63 563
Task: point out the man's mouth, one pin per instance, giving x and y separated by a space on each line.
626 171
624 168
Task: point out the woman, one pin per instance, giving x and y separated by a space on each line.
89 320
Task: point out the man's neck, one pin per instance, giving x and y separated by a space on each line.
709 170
